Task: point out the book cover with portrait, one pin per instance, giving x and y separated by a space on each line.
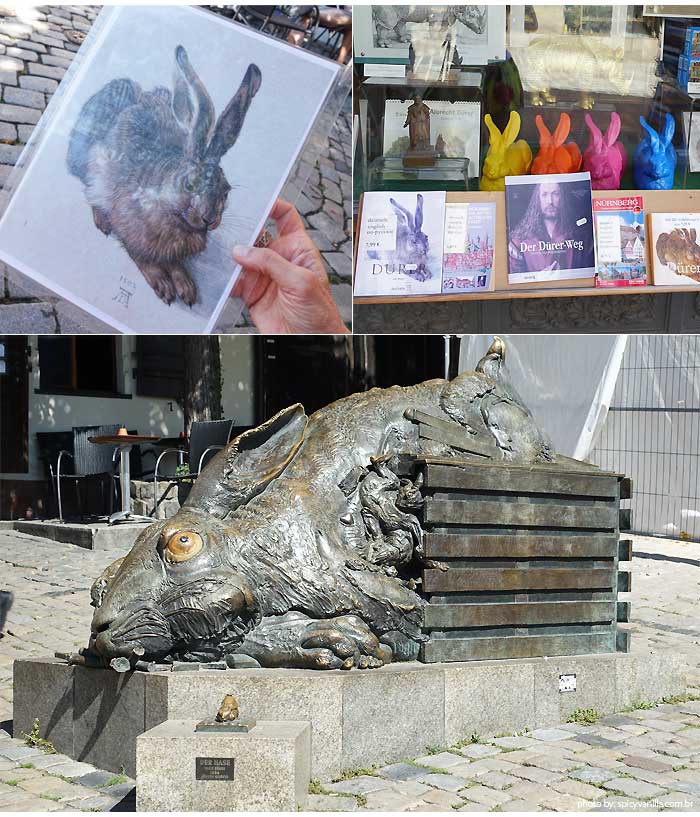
675 249
550 228
399 251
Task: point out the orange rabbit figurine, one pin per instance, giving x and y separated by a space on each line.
506 157
554 156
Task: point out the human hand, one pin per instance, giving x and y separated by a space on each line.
285 285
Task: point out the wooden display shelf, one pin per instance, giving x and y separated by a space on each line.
655 201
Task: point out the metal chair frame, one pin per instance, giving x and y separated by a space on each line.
77 477
174 480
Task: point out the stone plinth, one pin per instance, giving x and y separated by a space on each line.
357 718
266 769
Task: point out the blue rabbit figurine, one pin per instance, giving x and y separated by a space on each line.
655 157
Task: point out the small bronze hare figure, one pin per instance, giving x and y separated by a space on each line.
300 544
149 164
228 711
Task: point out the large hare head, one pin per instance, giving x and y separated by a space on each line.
198 185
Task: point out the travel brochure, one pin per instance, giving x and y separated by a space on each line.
621 252
467 258
416 244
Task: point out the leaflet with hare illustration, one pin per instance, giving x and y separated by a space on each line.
168 144
400 245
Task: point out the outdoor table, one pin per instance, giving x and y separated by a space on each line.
125 442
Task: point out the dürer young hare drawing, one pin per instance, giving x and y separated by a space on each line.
149 162
412 246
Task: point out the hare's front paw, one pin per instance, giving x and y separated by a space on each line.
184 285
158 280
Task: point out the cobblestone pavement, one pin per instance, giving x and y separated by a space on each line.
645 759
35 52
51 583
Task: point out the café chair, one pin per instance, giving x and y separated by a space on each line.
89 461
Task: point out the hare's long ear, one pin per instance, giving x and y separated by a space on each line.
192 105
562 130
669 129
419 212
403 213
495 137
545 135
231 120
510 134
613 130
596 135
653 135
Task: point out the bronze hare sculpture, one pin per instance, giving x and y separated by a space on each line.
299 545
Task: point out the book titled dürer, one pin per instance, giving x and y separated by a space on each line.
620 244
400 245
550 228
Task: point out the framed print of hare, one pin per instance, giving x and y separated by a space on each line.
167 144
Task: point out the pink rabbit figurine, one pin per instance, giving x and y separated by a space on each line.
605 157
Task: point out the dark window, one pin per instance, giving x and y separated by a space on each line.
316 371
78 364
160 366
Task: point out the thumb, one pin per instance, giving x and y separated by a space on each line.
267 262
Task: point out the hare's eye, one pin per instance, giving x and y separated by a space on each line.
182 545
189 185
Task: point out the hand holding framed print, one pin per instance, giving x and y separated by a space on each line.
168 142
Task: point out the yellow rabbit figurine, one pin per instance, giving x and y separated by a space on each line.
506 157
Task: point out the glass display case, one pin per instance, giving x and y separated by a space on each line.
584 61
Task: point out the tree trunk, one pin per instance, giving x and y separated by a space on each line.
202 397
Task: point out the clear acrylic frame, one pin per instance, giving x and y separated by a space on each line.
77 315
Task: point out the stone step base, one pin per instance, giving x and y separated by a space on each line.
266 769
358 718
92 536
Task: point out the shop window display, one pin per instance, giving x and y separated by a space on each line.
533 90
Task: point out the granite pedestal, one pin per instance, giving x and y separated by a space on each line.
357 718
266 769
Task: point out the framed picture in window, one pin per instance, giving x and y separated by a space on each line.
386 33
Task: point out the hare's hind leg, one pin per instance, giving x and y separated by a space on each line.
184 285
158 279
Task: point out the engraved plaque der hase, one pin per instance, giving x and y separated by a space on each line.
214 768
